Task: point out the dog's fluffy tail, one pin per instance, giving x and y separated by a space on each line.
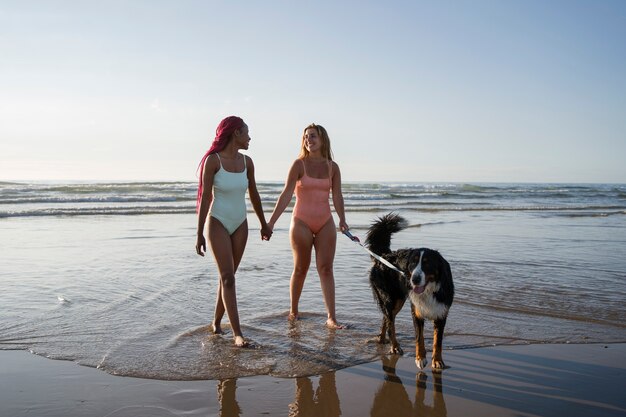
379 234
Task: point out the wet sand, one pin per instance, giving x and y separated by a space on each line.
530 380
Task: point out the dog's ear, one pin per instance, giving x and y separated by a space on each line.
445 275
404 260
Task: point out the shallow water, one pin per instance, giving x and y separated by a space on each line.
128 294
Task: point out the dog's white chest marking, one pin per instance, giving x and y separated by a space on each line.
427 305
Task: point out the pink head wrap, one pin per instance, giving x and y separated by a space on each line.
223 133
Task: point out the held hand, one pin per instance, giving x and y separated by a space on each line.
266 232
200 245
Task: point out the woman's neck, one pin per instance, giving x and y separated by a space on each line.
229 152
316 157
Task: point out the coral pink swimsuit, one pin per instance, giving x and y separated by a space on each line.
312 206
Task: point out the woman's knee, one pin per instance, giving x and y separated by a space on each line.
227 280
300 271
325 269
301 262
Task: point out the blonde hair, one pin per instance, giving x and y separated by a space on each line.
326 151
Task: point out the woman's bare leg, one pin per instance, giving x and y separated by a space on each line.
301 246
228 250
238 249
325 243
216 326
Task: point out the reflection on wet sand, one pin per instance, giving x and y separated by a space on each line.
226 395
392 399
325 401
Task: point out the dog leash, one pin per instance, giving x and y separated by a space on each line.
377 257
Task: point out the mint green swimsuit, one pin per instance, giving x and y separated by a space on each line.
229 197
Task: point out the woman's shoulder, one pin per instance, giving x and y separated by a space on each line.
212 162
297 168
213 158
247 162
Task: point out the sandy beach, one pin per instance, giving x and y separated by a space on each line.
531 380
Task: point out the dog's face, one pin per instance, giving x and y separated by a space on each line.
425 266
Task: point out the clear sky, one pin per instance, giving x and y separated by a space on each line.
464 91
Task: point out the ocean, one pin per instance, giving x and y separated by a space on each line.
106 275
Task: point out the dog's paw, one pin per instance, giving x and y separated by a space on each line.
421 363
438 365
396 350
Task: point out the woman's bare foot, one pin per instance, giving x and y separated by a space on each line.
332 324
240 341
293 317
216 329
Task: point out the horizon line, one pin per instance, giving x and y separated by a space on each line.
118 181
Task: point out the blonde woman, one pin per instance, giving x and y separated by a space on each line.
313 176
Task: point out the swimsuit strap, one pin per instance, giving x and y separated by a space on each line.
330 173
304 167
245 163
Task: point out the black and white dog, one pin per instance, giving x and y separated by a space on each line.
427 281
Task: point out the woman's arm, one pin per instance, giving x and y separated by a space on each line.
208 174
338 198
295 172
255 199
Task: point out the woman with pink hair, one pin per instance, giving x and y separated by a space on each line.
225 175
